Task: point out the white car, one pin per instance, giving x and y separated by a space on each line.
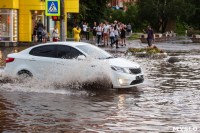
50 58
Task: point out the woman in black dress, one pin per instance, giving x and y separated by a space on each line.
123 35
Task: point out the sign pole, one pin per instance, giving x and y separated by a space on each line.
62 21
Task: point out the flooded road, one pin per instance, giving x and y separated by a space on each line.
169 98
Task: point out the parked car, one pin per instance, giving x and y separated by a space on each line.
50 58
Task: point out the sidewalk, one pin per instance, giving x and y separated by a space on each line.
180 44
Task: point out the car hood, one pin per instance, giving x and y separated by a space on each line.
120 62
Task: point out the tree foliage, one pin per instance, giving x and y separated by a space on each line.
118 15
93 10
194 20
159 12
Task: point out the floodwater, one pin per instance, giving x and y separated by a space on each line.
169 98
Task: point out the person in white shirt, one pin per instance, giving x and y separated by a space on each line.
85 29
116 33
129 29
112 35
99 31
106 33
55 34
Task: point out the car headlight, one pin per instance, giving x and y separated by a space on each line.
121 69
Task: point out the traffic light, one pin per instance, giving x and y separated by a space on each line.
56 18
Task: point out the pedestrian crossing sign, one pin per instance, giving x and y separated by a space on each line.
52 8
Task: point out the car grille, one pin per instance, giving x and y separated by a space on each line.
137 81
135 70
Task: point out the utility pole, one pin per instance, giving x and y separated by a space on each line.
62 21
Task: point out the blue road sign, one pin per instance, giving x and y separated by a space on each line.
52 8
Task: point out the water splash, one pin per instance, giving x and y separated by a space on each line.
62 80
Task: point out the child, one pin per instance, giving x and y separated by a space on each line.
45 35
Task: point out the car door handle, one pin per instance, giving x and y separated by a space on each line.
59 63
93 65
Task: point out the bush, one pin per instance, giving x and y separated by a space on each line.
181 27
148 50
134 36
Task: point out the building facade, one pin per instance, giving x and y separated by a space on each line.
19 17
119 4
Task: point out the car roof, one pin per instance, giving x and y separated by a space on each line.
69 43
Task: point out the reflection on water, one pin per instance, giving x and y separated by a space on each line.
168 98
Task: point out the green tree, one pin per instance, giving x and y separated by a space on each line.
118 15
132 17
94 10
194 20
159 12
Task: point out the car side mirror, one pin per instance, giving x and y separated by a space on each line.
81 57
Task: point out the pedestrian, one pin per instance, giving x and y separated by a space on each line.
77 31
55 34
94 33
35 33
115 24
112 35
81 26
45 34
123 35
119 31
88 32
39 30
150 35
102 25
125 27
116 32
84 29
129 29
99 31
106 33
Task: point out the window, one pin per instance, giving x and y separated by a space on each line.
67 52
63 52
44 51
75 53
94 52
8 25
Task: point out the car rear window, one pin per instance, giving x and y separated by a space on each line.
44 51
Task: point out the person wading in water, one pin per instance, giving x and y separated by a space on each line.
150 35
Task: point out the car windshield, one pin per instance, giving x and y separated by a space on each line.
95 52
